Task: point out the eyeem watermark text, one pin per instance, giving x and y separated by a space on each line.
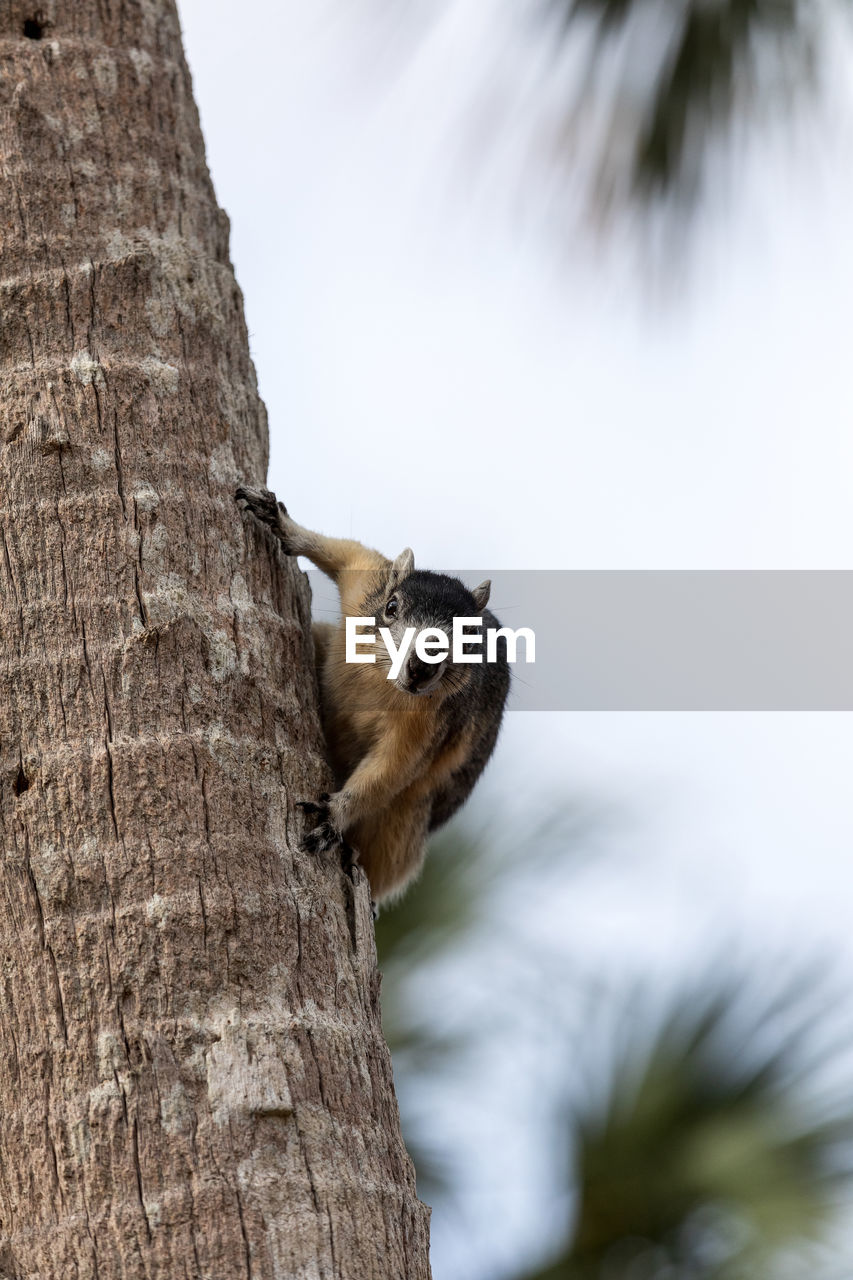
433 645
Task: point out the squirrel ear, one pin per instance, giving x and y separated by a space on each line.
402 567
481 594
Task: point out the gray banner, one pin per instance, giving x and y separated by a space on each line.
671 640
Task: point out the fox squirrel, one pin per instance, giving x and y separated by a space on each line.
406 752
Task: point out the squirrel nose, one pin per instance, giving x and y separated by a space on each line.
420 674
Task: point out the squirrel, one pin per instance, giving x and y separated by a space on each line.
405 752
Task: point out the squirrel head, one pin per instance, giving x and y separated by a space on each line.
426 602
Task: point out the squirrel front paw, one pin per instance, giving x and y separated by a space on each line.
265 507
321 839
325 835
261 502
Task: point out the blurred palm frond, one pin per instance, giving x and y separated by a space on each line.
663 81
708 1156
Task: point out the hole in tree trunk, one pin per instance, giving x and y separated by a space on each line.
34 28
21 783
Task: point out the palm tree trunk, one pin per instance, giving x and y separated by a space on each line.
193 1080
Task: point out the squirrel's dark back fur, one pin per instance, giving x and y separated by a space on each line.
482 702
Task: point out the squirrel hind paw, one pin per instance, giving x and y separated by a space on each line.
349 859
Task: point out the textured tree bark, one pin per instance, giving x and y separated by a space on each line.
193 1080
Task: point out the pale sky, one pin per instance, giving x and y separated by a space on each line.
443 371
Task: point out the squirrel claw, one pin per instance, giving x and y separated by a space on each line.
314 807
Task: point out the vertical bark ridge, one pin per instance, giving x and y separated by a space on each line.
193 1080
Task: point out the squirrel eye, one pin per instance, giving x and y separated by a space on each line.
391 608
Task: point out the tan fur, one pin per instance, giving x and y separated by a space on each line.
385 752
385 744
